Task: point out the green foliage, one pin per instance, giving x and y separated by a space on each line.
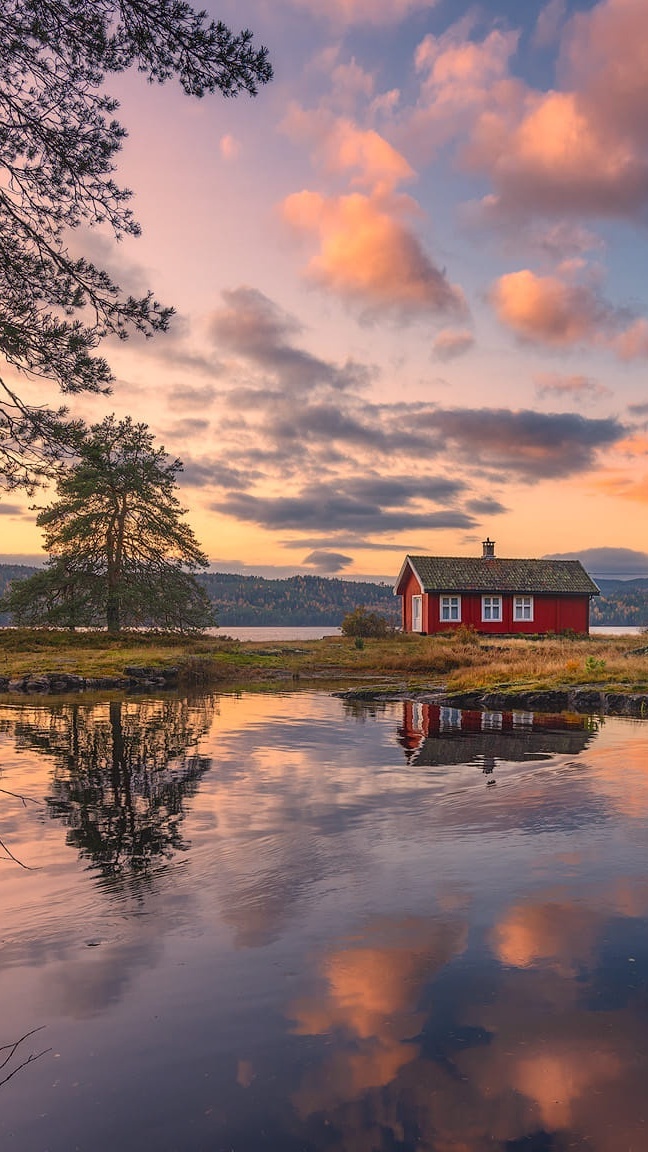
58 146
361 623
120 552
359 642
622 603
299 600
594 665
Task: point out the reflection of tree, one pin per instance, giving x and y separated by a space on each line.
10 1053
122 775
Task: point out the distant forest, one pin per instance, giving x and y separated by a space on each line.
319 600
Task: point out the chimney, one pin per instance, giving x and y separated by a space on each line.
488 549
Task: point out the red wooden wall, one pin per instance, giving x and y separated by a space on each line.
551 613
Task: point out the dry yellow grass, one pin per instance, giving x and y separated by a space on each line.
461 663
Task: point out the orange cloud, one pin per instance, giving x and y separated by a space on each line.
340 146
579 149
549 310
368 254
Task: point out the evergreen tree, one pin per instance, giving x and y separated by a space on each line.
120 552
58 143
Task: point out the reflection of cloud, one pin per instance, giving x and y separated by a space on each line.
551 933
84 988
370 997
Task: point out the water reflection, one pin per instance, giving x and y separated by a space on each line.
122 773
368 950
435 735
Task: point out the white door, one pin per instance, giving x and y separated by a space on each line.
417 613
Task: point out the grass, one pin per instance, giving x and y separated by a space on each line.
464 662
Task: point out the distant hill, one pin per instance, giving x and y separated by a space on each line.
253 600
9 572
297 600
320 600
622 602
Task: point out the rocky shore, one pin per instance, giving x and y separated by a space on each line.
584 699
135 678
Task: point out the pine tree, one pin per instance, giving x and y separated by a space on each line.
58 142
120 552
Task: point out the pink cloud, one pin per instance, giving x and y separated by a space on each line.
579 149
340 146
451 343
551 385
561 314
229 147
367 252
550 22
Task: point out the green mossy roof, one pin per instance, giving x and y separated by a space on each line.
474 574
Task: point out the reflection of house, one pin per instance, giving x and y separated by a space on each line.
435 735
491 595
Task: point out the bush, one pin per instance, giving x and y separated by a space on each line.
466 634
363 623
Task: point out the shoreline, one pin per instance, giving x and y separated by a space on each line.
602 674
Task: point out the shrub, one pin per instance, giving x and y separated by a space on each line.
363 623
466 634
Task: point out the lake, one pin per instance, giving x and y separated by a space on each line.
263 635
294 924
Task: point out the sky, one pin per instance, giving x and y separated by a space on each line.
411 308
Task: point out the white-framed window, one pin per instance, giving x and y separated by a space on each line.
417 613
523 607
491 608
451 608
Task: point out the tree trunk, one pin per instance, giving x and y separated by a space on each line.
112 612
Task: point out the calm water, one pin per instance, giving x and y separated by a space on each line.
285 924
316 633
267 633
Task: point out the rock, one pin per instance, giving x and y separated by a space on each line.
17 685
470 700
551 700
4 683
637 706
587 700
37 684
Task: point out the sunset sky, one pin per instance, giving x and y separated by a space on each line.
412 307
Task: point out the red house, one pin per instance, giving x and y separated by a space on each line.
492 595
